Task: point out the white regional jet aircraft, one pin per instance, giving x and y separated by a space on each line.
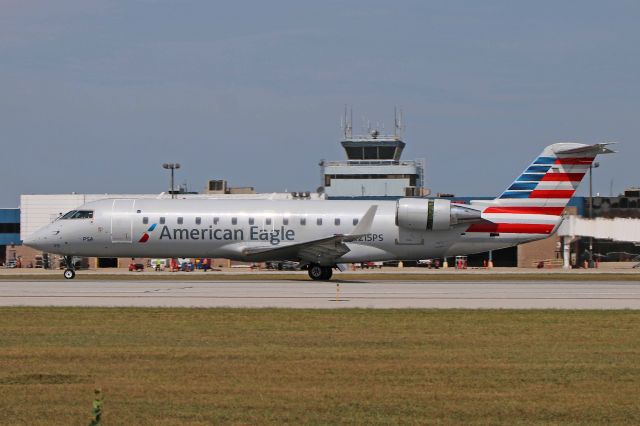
323 234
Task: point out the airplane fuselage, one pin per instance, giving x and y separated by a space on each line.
227 228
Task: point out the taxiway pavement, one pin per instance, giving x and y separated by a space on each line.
334 294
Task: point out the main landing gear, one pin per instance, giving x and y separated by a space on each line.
320 273
69 272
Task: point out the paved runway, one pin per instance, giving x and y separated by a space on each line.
307 294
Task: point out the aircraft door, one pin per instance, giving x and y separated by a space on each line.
121 221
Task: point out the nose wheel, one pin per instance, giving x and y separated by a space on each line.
69 273
320 273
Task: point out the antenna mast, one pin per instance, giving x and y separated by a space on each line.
347 122
399 125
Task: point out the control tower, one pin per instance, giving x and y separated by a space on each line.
373 168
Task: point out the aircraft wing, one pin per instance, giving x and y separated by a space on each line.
322 251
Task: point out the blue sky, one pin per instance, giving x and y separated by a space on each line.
96 95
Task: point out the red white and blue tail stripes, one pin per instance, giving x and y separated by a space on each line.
534 202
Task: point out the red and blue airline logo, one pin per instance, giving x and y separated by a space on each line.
145 236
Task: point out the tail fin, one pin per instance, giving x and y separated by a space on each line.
534 202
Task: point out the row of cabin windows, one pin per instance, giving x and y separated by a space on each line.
234 221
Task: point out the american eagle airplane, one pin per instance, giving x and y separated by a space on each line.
323 234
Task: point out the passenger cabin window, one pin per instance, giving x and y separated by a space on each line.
145 220
303 221
198 221
268 221
251 221
319 221
285 221
162 221
180 221
79 214
234 220
355 222
336 221
216 220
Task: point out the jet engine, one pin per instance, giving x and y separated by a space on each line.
422 214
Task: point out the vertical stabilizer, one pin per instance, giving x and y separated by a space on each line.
534 202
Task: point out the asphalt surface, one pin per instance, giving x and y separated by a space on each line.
335 294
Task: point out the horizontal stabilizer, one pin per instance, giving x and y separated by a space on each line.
598 148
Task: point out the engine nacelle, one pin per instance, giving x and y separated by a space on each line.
422 214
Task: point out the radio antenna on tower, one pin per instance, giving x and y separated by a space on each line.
347 122
398 124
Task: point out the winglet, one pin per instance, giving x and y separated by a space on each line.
364 225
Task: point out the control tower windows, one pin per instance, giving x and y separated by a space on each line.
354 153
328 178
376 152
371 153
386 152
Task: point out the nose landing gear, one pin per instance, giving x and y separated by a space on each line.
320 273
70 272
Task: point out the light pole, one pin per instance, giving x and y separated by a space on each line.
595 165
172 167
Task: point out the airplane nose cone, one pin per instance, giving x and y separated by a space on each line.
31 240
41 240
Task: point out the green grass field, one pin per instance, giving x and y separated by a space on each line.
241 366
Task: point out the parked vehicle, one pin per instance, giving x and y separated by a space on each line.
138 267
284 266
429 263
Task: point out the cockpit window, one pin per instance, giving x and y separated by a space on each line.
78 214
83 214
68 215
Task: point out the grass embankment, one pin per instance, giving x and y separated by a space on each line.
188 366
